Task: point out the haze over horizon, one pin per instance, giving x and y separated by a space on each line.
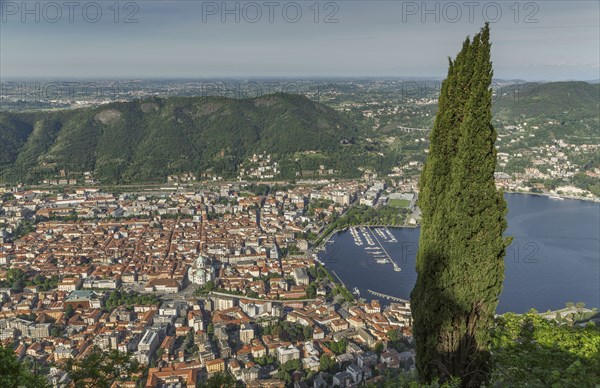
540 40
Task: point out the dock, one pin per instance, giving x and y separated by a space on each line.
396 266
339 279
385 296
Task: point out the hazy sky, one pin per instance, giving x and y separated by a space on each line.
535 40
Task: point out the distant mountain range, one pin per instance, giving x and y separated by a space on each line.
147 140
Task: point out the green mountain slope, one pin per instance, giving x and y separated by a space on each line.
148 140
573 106
542 98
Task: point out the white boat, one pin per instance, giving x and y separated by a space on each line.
554 196
356 291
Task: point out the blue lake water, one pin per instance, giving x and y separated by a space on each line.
554 257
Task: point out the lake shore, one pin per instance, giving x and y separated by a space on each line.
552 259
332 233
551 195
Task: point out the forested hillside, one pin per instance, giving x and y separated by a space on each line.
572 107
148 140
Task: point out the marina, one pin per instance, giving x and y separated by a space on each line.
357 239
391 237
362 234
389 297
374 238
564 235
367 235
394 264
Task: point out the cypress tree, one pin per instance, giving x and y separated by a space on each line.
460 260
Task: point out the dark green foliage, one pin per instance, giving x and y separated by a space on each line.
396 341
43 283
148 140
69 312
265 360
460 261
24 228
326 363
28 317
13 135
131 298
16 279
343 291
320 273
15 374
264 189
574 105
311 291
286 370
587 183
57 331
101 369
219 380
290 366
532 351
365 215
395 378
189 345
288 331
338 347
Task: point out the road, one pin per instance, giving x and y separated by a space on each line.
259 299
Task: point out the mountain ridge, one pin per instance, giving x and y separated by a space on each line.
150 139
